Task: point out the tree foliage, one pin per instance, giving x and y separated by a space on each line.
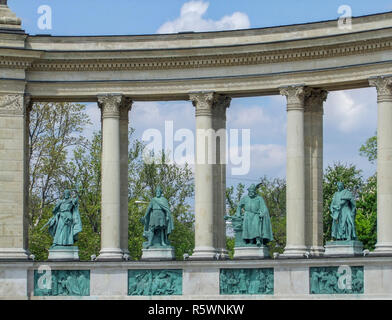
369 149
61 158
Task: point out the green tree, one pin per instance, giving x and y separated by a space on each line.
369 149
274 193
54 129
61 158
366 220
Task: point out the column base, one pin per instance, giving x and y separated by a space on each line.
13 254
317 251
295 252
223 254
382 249
208 253
110 255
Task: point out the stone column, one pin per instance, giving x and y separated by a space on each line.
124 121
295 172
313 117
210 231
219 125
111 178
14 115
384 164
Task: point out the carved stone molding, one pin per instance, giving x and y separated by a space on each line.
125 107
12 104
384 87
295 96
210 103
314 99
114 105
214 60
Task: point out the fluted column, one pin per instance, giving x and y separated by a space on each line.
295 172
14 176
219 125
384 164
210 232
126 106
111 178
313 126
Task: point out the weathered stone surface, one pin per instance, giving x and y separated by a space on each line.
64 253
158 254
201 279
343 248
251 252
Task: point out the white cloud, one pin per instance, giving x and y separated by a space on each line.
191 19
268 156
352 110
246 117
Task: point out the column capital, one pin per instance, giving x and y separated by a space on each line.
114 105
383 85
314 99
209 103
125 107
295 97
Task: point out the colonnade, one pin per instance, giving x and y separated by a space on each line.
304 172
304 201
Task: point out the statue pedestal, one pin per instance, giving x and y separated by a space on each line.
343 248
158 254
64 253
251 253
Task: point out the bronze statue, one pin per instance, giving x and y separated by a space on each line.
158 222
65 225
343 212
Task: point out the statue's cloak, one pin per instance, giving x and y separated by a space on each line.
343 210
54 222
164 205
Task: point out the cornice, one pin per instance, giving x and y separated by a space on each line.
190 61
12 58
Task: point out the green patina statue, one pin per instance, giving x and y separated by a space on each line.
158 222
343 211
251 222
65 225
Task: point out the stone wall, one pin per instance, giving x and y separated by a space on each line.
333 278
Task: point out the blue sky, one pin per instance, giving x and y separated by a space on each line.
350 116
